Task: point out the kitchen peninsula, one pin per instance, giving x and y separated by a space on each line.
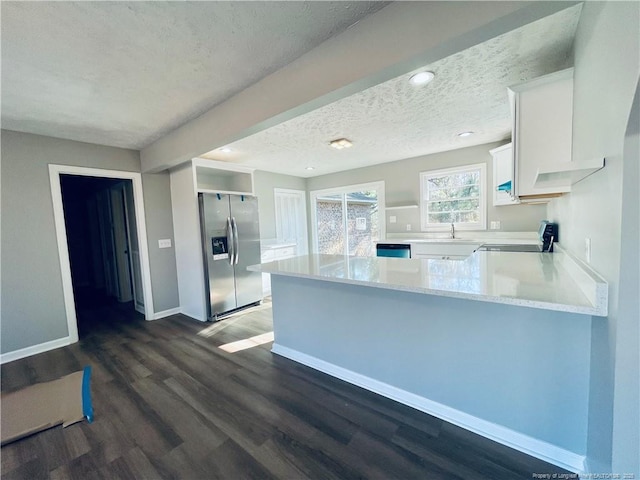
498 343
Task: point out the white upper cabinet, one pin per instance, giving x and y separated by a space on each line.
542 112
503 175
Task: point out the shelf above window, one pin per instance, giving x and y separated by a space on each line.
402 207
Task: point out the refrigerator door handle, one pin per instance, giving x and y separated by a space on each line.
230 241
236 246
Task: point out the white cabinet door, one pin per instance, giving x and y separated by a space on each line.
542 110
443 249
503 173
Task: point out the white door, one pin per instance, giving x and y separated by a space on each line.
291 218
348 220
121 243
134 248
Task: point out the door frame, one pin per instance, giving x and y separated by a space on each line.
379 186
128 195
303 195
61 233
126 291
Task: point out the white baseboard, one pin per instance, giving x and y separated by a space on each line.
531 446
166 313
34 350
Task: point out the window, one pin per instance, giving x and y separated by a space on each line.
347 220
454 195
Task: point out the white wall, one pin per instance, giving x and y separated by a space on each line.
606 75
402 186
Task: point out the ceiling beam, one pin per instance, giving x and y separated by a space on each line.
399 38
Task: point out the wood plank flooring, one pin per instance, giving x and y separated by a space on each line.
170 404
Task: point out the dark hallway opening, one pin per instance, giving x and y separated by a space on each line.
100 226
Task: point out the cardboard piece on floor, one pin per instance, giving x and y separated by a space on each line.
44 405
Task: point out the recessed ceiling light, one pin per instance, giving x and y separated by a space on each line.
225 150
421 78
309 168
465 134
341 143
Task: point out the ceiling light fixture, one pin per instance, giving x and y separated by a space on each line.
341 143
310 168
421 78
465 134
225 150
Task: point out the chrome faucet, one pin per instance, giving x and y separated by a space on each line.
453 231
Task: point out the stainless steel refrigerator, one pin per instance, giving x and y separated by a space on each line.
231 242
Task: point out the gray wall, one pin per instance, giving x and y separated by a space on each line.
263 184
526 369
606 75
162 261
626 441
32 299
402 186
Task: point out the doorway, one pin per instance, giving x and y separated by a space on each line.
102 242
348 220
291 218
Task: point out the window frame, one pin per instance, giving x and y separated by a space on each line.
439 227
379 186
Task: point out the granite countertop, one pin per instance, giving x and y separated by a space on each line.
537 280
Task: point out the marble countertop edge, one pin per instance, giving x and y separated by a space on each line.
518 302
576 286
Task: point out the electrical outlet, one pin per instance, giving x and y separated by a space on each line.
587 249
408 227
495 225
165 243
392 219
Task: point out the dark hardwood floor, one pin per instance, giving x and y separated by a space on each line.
169 403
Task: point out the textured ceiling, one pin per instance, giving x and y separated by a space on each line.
126 73
395 120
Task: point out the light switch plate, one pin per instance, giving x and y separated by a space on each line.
408 227
164 243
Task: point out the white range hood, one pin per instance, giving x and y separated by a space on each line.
567 174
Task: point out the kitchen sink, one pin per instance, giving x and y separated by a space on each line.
454 250
442 257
